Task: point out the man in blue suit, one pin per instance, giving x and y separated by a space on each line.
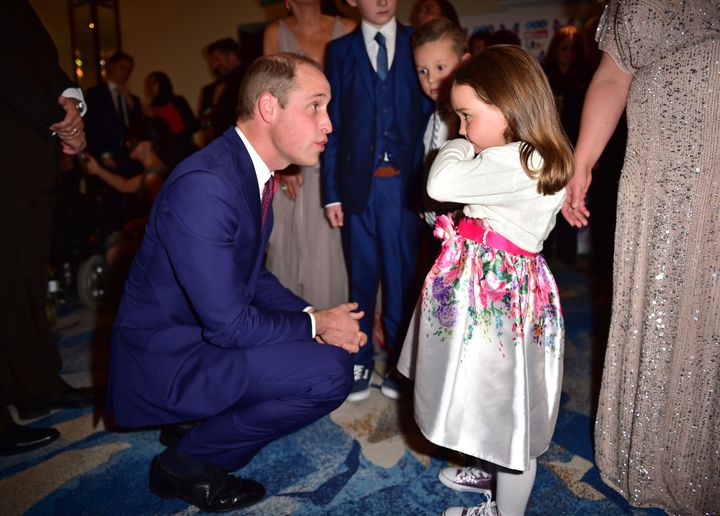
371 170
204 332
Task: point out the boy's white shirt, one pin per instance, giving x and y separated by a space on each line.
494 187
389 30
435 121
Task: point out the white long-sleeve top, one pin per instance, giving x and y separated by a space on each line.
493 186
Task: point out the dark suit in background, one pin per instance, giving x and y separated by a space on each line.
32 82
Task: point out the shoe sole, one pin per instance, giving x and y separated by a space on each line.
391 393
459 487
359 395
173 496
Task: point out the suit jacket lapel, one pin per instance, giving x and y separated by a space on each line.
364 67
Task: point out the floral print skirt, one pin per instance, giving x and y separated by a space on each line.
485 349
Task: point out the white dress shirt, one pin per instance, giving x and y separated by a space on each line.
388 30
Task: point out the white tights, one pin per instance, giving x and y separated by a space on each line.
513 489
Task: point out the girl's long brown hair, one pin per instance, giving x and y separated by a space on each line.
511 79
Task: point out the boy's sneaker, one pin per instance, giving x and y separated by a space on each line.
361 386
484 509
474 480
395 385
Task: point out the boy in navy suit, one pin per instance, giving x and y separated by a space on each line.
370 171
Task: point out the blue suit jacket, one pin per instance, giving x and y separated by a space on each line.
349 158
198 295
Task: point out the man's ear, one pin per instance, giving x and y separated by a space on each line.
267 107
466 56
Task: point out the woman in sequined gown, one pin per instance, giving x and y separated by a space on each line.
656 434
304 252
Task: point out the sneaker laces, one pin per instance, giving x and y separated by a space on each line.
484 509
470 473
359 372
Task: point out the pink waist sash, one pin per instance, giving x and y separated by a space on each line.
471 230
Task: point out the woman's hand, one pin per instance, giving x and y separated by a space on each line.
290 184
574 209
90 165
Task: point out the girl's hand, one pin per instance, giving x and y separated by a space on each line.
574 209
90 165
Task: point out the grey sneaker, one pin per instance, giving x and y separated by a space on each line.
484 509
474 480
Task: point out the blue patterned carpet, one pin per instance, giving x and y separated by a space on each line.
365 458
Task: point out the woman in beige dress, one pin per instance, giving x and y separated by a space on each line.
304 252
656 434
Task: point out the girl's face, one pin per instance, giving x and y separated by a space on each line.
481 124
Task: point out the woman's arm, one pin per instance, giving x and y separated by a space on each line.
116 181
604 104
270 39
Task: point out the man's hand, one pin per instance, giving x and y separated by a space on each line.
70 129
335 216
339 326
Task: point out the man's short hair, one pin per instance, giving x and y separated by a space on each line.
439 29
117 57
274 74
225 46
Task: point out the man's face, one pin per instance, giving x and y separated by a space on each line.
119 73
223 64
375 12
300 130
434 62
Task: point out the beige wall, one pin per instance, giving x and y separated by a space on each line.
169 35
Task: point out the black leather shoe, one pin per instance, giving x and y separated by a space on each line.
211 488
69 397
171 434
20 439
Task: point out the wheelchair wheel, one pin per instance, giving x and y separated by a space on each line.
91 281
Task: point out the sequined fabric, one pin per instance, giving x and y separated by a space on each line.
657 435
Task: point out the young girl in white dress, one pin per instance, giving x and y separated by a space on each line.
486 343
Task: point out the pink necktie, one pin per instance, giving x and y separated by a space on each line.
267 196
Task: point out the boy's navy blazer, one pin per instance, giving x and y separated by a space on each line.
350 156
198 295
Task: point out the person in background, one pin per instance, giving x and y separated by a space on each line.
226 63
477 42
486 342
40 115
656 438
147 143
503 37
175 111
566 70
371 173
425 10
111 109
304 251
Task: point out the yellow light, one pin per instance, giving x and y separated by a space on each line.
78 62
91 25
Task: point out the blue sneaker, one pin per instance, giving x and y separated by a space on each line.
361 386
395 385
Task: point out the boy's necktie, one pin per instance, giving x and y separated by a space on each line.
266 201
382 57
